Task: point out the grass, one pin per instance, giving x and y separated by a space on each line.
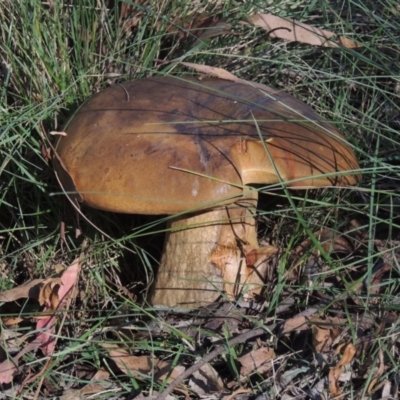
55 54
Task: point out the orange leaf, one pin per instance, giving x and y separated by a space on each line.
335 372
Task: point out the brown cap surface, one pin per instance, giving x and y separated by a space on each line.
165 145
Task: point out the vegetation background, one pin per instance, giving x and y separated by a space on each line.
54 54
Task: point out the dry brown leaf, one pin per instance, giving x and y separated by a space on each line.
335 372
294 31
44 340
321 338
11 339
72 394
389 249
256 361
48 295
27 290
224 74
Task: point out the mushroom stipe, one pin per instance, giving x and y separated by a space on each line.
169 145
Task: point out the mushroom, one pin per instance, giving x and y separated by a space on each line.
192 148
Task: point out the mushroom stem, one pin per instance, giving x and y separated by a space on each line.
210 254
186 277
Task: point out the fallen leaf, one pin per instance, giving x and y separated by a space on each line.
27 290
218 72
12 321
335 372
259 361
45 339
294 31
54 296
325 331
224 74
48 295
321 338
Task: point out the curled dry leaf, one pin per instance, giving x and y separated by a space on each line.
53 294
335 372
294 31
48 294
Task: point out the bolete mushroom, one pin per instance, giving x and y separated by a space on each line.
193 147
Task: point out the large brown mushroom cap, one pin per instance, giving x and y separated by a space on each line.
164 145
